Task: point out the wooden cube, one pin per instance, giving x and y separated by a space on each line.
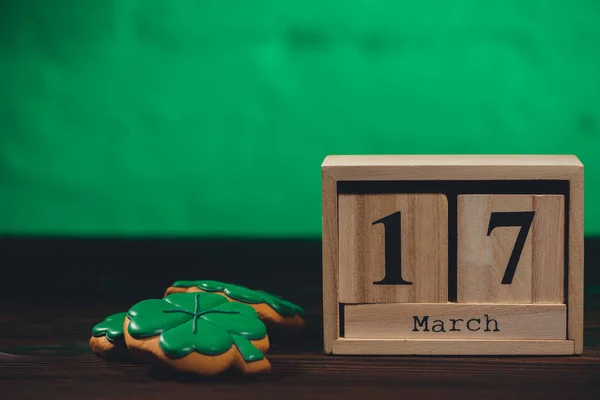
455 255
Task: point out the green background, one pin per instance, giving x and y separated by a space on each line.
173 117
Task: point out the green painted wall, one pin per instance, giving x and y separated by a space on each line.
192 117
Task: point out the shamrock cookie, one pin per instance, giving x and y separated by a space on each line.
272 309
107 337
200 333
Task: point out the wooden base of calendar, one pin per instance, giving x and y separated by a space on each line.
452 347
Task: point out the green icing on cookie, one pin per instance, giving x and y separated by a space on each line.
111 327
209 286
280 305
204 322
249 352
242 293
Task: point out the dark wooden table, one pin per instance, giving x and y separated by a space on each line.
45 354
56 289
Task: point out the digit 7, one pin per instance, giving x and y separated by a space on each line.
509 219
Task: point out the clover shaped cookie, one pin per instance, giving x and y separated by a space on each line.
201 333
272 309
107 337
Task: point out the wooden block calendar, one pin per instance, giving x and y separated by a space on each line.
453 255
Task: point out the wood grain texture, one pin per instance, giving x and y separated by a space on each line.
444 160
424 248
330 261
452 167
483 258
566 168
452 347
455 321
576 262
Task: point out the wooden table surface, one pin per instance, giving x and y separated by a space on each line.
45 354
58 288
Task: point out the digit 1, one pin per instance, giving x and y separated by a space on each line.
522 219
392 225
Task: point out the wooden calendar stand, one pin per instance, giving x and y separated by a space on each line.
477 255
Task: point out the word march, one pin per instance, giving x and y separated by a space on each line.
455 324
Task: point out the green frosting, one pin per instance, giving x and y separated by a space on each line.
111 327
242 293
204 322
